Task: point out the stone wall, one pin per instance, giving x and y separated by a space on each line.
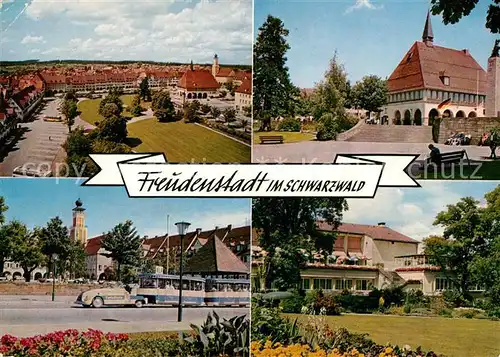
35 288
475 127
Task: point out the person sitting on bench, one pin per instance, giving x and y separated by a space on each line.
435 155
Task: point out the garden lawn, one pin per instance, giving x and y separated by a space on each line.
182 142
451 337
288 137
490 170
89 108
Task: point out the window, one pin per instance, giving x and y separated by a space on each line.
343 284
461 98
306 284
363 284
325 284
446 80
100 267
443 284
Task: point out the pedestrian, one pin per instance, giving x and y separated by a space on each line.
50 138
435 155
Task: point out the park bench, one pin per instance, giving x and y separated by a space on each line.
269 139
450 158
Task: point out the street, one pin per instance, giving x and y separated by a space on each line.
31 317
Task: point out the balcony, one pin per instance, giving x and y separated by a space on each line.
413 262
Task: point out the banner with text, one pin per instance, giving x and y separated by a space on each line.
350 176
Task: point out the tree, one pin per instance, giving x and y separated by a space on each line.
215 112
123 245
54 239
70 96
273 92
144 91
70 110
453 11
327 128
330 94
8 233
229 115
195 104
27 251
113 98
109 147
370 93
205 108
469 233
3 209
190 113
247 111
110 110
113 129
288 227
163 106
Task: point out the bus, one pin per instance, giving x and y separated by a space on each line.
227 292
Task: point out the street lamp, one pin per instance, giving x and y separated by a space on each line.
182 227
54 259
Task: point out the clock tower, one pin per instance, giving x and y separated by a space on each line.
78 231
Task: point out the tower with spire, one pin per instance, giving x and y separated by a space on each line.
428 35
493 76
215 65
78 231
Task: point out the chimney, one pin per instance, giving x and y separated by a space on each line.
198 231
216 227
381 224
466 51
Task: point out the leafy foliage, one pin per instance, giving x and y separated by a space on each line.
289 124
123 245
370 93
111 98
144 91
113 129
163 106
27 250
327 128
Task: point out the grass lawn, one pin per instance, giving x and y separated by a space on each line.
288 137
489 170
183 142
451 337
89 108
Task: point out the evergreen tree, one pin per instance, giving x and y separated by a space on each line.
144 91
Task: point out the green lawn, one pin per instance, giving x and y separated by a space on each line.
451 337
183 142
288 137
489 170
89 108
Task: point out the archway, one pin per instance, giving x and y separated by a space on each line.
397 117
200 95
38 276
189 96
472 114
205 96
102 277
407 119
17 275
447 114
7 275
417 119
433 114
460 114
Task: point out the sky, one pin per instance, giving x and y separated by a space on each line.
412 211
167 30
36 201
370 37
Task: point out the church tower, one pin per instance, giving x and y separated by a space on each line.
428 35
78 232
215 65
493 81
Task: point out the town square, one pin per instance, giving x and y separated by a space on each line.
399 89
189 100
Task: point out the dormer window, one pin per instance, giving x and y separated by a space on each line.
409 57
446 80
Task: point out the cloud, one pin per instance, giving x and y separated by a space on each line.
32 39
150 29
362 4
404 210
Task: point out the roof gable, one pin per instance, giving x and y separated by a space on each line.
198 79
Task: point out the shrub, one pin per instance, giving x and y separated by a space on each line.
407 309
325 303
327 128
289 124
468 313
357 303
294 304
267 324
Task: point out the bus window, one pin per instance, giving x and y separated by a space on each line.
175 283
162 283
148 283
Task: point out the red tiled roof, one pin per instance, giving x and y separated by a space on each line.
424 66
341 266
245 87
224 72
93 245
375 232
198 79
215 257
242 75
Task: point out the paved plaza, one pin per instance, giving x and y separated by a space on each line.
325 152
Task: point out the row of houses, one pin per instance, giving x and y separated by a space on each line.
363 257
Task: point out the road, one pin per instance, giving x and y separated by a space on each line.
19 318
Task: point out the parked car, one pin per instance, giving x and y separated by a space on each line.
22 171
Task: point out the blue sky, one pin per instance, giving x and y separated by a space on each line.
412 211
370 37
36 201
175 31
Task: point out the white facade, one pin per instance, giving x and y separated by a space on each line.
97 264
242 100
12 271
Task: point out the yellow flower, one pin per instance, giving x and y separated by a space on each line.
388 350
